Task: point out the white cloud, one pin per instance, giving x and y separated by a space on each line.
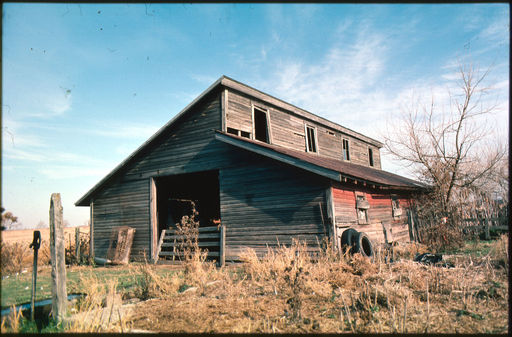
127 131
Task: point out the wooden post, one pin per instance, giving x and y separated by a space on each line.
36 243
77 245
222 248
91 231
57 248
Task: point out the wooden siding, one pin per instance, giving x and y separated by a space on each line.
189 146
287 130
264 203
380 212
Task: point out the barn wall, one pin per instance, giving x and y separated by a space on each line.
265 203
287 130
189 146
379 213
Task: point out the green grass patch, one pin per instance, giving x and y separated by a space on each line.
17 289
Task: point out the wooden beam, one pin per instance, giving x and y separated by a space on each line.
153 218
331 213
224 109
91 229
222 243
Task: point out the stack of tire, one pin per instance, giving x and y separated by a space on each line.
356 242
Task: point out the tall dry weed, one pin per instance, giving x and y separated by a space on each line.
100 310
15 257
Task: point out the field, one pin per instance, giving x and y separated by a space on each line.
26 235
286 292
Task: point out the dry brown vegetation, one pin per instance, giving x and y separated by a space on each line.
289 292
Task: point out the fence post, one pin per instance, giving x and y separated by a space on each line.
222 253
36 243
77 245
57 248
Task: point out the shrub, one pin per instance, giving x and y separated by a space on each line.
15 256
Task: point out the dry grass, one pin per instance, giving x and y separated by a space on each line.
287 292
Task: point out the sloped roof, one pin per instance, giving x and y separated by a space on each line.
328 167
227 82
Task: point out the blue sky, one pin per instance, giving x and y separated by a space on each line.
85 85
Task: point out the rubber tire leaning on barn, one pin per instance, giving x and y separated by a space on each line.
348 239
363 245
358 242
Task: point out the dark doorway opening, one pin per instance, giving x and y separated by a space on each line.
175 194
260 125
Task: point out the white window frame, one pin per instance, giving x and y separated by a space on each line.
306 126
267 116
343 150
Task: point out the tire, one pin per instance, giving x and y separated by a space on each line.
363 245
348 239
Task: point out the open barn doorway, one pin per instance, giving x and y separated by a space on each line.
176 195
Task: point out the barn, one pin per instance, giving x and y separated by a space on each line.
268 171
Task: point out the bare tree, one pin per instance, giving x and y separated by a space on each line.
450 150
9 221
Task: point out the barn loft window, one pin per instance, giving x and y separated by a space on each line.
239 133
362 206
370 156
346 150
233 131
260 124
395 205
310 139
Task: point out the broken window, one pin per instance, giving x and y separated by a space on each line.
346 151
310 139
260 125
362 206
370 156
395 205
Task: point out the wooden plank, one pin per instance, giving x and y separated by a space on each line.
91 229
201 236
222 248
159 247
153 218
199 244
208 229
164 253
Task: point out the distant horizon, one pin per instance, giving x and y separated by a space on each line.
84 85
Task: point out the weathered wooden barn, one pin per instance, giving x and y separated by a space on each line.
268 170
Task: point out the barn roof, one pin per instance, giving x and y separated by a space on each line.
226 82
331 168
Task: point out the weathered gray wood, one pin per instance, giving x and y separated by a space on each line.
77 244
164 253
91 229
242 88
153 218
57 249
159 247
170 236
